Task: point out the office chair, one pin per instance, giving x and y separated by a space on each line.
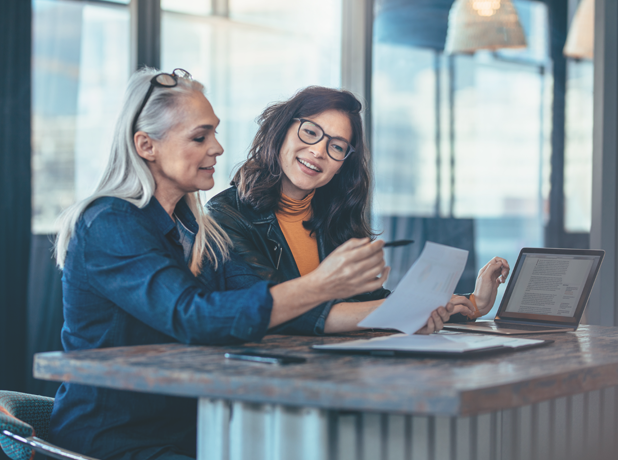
21 417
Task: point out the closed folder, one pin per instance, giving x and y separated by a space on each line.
442 344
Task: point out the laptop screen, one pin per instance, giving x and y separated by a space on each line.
550 285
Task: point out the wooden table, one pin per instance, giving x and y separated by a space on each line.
556 402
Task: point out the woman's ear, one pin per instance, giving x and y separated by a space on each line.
144 146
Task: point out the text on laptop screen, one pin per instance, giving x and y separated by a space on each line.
550 284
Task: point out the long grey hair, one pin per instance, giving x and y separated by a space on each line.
127 176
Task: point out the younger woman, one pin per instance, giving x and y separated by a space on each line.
304 191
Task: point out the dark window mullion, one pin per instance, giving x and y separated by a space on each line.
554 231
146 33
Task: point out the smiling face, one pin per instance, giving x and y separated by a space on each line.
183 161
307 167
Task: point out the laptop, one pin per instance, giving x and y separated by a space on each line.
547 292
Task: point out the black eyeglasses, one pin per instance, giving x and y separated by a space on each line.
311 133
163 80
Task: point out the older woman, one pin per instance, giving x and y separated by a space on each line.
304 191
144 265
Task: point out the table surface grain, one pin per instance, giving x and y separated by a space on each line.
576 362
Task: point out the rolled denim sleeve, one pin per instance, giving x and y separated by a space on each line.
313 322
135 271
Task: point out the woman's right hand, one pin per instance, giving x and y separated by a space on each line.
355 267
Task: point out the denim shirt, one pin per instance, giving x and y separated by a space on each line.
126 282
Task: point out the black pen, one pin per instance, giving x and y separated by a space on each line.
392 244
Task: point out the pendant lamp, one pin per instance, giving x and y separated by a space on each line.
580 40
483 24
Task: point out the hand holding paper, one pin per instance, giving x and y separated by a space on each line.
441 315
427 285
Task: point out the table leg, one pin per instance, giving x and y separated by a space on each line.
569 428
244 431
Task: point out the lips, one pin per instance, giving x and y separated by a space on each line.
309 165
208 169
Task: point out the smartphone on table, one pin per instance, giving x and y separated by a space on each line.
265 357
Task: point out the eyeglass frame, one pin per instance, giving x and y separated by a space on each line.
350 151
155 83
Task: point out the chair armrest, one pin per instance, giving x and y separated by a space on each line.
46 448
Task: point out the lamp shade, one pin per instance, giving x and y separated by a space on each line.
580 40
483 24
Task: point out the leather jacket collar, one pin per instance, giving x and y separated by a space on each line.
267 221
258 237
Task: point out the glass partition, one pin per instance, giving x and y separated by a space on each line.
80 66
462 142
578 148
259 52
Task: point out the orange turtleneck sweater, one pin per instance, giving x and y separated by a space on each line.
304 247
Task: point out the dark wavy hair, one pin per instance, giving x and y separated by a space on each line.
339 207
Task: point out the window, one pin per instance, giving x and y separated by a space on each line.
254 54
80 69
462 143
578 147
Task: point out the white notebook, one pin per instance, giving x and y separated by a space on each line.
440 344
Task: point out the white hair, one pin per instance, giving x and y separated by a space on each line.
127 176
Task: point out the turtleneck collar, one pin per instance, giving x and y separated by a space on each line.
291 210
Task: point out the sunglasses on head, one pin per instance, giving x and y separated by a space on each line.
162 80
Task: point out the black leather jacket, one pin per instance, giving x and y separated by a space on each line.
259 241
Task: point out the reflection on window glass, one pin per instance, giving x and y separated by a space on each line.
317 21
460 142
263 52
578 147
80 70
202 7
499 139
404 125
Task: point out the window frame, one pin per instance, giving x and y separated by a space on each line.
356 72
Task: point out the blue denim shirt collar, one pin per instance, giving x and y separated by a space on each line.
164 222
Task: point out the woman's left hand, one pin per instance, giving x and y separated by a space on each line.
491 276
435 322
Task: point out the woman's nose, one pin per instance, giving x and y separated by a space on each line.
319 149
217 149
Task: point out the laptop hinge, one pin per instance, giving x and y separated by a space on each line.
506 322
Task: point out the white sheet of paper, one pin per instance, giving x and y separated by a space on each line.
429 283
